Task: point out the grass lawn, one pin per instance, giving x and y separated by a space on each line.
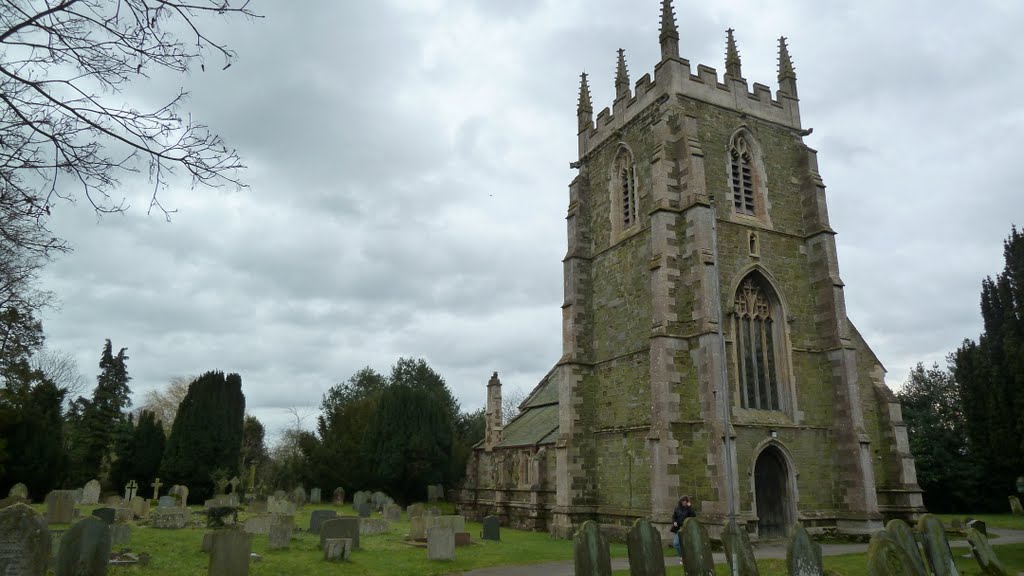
991 520
178 553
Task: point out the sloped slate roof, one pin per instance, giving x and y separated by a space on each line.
537 423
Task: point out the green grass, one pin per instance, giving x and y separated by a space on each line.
178 553
1008 521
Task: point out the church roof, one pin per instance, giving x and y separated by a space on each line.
537 422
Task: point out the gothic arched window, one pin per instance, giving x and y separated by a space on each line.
626 187
756 346
741 172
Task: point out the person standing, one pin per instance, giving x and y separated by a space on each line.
679 515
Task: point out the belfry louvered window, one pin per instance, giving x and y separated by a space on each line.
756 347
742 176
627 186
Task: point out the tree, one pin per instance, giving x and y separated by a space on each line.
140 451
510 401
991 375
345 413
254 448
946 466
96 423
61 368
206 439
164 403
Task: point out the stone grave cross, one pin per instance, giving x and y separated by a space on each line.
156 489
234 484
222 485
129 490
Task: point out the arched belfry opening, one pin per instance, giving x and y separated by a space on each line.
773 494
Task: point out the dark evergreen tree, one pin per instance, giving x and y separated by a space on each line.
206 438
148 442
102 418
991 376
346 412
254 448
123 459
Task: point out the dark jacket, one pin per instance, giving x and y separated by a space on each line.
680 514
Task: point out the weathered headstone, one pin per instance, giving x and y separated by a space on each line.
417 527
738 552
697 558
904 536
415 510
234 482
936 546
314 495
1015 506
984 554
169 518
590 551
339 495
129 490
207 542
222 486
432 512
364 510
60 507
371 526
643 542
455 522
337 549
491 528
281 527
84 549
359 498
180 494
435 492
229 553
341 527
378 499
114 501
886 557
120 534
299 496
462 539
317 517
19 490
167 502
105 514
91 492
979 525
78 495
441 544
803 556
392 512
156 489
139 507
257 524
24 541
277 505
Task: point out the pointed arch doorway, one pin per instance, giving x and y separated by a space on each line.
772 494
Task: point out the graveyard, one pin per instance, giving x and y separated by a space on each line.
302 533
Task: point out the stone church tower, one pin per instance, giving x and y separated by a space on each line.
706 347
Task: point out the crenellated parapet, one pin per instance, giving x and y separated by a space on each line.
673 77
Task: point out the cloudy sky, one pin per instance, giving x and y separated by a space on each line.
408 163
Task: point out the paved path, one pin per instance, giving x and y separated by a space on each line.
775 549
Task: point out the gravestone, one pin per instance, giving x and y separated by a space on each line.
222 486
341 527
415 510
936 546
803 556
314 495
359 498
207 542
462 539
590 551
904 536
257 525
139 507
78 495
299 496
392 512
317 517
435 492
91 492
984 554
979 525
956 524
84 549
168 518
738 552
378 500
156 489
338 497
229 553
455 522
180 494
258 507
337 549
280 506
364 510
886 557
60 507
114 501
371 526
643 542
441 544
129 490
1015 506
105 514
281 527
19 490
119 534
167 502
24 541
417 528
697 559
234 482
432 512
491 529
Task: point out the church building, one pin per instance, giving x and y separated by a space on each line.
706 347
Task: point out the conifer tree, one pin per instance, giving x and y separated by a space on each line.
102 418
206 437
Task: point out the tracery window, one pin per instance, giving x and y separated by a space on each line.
742 176
756 343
